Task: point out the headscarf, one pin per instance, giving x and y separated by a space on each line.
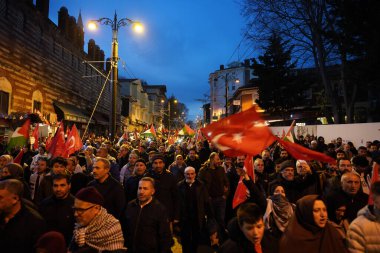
280 209
8 159
303 232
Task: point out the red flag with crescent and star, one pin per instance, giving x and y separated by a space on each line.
73 142
241 192
244 133
57 146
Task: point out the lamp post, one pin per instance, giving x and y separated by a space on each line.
227 78
115 24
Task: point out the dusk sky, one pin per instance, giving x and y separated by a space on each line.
183 42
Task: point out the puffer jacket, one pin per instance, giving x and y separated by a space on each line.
364 232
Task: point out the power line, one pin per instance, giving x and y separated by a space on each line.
241 41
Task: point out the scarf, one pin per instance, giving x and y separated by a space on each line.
280 210
103 233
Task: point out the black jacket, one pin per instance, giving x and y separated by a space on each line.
196 164
146 230
21 232
59 215
203 210
131 186
215 180
113 194
166 191
238 243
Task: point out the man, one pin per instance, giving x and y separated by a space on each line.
41 153
146 224
123 155
58 166
196 215
268 162
361 166
165 186
261 176
114 167
340 154
333 184
108 186
143 154
95 229
216 182
20 225
36 178
353 198
363 233
57 209
132 183
247 232
127 169
193 161
203 151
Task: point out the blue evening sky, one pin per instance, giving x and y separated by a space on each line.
184 40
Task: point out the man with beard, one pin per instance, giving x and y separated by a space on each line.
192 160
196 217
57 209
145 222
334 183
108 186
132 183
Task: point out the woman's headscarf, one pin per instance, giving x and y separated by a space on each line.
7 158
306 235
280 211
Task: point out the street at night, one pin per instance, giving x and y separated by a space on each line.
189 126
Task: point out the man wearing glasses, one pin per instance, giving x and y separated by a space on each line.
95 229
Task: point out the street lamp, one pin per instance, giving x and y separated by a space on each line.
169 101
227 78
115 25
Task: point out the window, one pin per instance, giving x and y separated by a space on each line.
4 102
36 106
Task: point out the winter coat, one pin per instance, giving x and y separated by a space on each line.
364 232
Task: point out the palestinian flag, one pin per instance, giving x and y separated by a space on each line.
289 135
186 130
20 136
151 132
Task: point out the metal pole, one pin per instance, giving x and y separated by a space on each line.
114 79
169 116
226 80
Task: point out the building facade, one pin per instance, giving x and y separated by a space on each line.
43 65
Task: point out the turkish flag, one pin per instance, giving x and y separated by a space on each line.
35 135
374 178
57 146
73 142
301 153
241 190
240 134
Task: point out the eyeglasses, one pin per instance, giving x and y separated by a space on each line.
81 210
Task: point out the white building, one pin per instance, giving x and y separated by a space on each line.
223 84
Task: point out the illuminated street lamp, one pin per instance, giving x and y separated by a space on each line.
175 101
227 78
115 25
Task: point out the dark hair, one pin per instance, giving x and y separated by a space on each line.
249 213
375 188
14 186
61 176
43 158
360 161
344 159
59 160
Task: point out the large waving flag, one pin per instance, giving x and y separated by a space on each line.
57 146
20 136
289 135
73 142
244 133
36 137
241 192
374 178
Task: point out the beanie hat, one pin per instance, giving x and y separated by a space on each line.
286 164
52 242
140 161
91 195
158 157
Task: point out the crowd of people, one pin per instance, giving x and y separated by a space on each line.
136 196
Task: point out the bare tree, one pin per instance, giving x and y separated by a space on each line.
303 22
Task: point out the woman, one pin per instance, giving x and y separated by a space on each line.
15 171
278 213
4 160
310 231
178 168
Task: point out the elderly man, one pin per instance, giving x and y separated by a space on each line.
196 215
20 225
108 186
351 193
146 225
95 228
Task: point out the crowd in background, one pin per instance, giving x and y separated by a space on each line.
137 195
